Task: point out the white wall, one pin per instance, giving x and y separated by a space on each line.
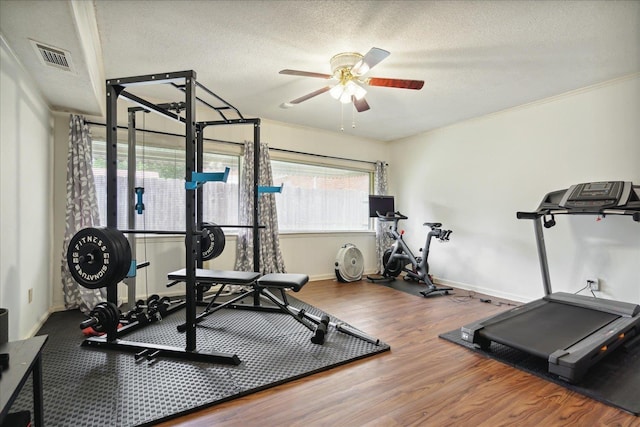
26 223
312 254
475 175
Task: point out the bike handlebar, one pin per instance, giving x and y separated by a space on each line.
391 216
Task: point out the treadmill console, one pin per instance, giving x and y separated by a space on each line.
593 196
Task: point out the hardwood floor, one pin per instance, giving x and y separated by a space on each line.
422 381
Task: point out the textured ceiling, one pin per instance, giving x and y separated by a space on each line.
476 57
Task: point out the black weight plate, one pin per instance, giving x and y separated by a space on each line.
116 257
206 244
89 258
115 314
216 242
126 254
120 255
123 254
219 241
101 313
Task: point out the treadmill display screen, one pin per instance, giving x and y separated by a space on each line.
595 189
592 196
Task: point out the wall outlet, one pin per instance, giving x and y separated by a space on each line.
30 295
594 284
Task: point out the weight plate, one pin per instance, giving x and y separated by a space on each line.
126 264
115 315
90 255
206 244
116 258
123 253
212 241
107 316
219 241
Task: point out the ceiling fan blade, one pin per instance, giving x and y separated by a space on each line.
397 83
310 95
305 74
360 104
370 60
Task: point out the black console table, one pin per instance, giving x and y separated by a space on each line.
24 358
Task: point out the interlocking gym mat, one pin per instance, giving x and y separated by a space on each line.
95 387
614 381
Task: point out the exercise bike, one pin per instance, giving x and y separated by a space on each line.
398 258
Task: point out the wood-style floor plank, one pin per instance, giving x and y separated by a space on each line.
422 381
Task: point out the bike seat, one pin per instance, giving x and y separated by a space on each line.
433 224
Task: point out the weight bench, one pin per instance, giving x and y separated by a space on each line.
260 287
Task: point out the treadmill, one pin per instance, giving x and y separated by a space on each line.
573 332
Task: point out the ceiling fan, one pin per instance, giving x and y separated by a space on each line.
349 69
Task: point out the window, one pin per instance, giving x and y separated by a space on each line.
315 198
161 171
321 198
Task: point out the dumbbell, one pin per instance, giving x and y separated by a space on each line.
142 304
158 307
151 305
321 330
136 316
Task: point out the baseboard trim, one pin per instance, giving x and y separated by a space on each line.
480 289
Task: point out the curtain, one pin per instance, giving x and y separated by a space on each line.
81 211
270 256
380 188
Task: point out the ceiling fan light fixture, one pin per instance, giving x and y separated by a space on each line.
347 71
358 91
336 91
344 92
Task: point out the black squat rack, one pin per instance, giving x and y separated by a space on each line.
186 83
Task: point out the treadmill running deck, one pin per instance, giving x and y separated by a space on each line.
537 332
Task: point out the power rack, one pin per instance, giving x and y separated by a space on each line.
185 112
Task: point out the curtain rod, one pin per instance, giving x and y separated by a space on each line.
222 141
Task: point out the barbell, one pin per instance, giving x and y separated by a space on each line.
101 256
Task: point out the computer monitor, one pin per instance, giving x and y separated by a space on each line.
382 204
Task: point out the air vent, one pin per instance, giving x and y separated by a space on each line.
53 56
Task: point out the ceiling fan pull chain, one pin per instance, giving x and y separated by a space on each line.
353 118
341 117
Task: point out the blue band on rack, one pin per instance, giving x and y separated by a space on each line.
263 189
132 269
199 178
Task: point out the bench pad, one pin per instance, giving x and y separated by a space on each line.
223 277
283 280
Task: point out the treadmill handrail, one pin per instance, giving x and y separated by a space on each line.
528 215
533 215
